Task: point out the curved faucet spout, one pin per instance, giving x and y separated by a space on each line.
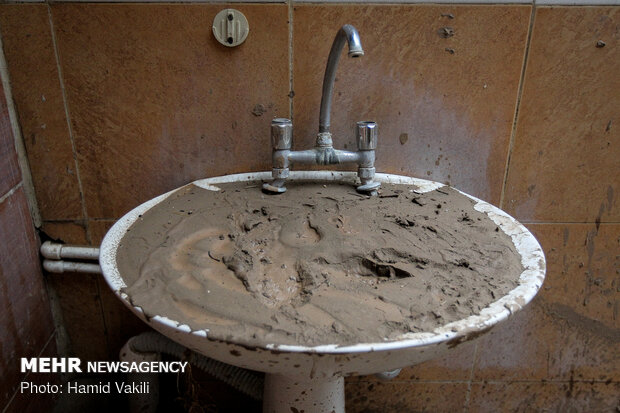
349 34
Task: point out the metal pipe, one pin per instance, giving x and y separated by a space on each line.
246 381
324 153
324 156
349 34
56 251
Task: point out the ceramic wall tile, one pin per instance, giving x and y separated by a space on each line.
80 303
544 397
404 397
36 88
26 323
66 232
456 365
441 81
27 403
564 165
570 330
157 102
11 174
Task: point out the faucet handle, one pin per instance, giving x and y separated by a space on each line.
281 134
366 135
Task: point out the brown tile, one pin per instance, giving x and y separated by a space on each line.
545 397
66 232
570 330
404 397
456 364
25 324
583 271
29 51
80 301
580 295
564 166
547 341
455 110
517 348
98 229
156 102
11 174
40 402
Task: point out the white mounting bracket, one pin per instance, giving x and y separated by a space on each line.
230 27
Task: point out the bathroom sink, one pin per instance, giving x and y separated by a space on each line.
310 378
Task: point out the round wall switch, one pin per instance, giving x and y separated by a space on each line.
230 27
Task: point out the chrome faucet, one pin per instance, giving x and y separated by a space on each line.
324 153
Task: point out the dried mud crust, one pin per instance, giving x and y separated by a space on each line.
319 264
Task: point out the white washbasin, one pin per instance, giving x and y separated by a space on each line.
311 378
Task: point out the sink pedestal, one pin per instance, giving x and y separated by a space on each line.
286 394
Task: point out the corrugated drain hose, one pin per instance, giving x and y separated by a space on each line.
246 381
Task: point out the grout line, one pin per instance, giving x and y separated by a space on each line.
291 95
77 165
518 104
471 378
68 116
11 192
22 157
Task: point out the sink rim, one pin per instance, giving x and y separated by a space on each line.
530 280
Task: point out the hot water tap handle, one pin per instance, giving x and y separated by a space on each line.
366 135
281 134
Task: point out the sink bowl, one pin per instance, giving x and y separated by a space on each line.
309 378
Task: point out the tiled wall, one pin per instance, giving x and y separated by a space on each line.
26 326
120 102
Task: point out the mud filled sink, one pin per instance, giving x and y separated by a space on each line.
322 284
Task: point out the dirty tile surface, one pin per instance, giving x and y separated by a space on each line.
440 81
157 102
564 166
570 397
27 40
570 331
80 303
404 397
27 403
455 365
65 232
11 174
26 323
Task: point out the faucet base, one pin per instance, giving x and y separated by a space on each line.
277 187
274 187
369 188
